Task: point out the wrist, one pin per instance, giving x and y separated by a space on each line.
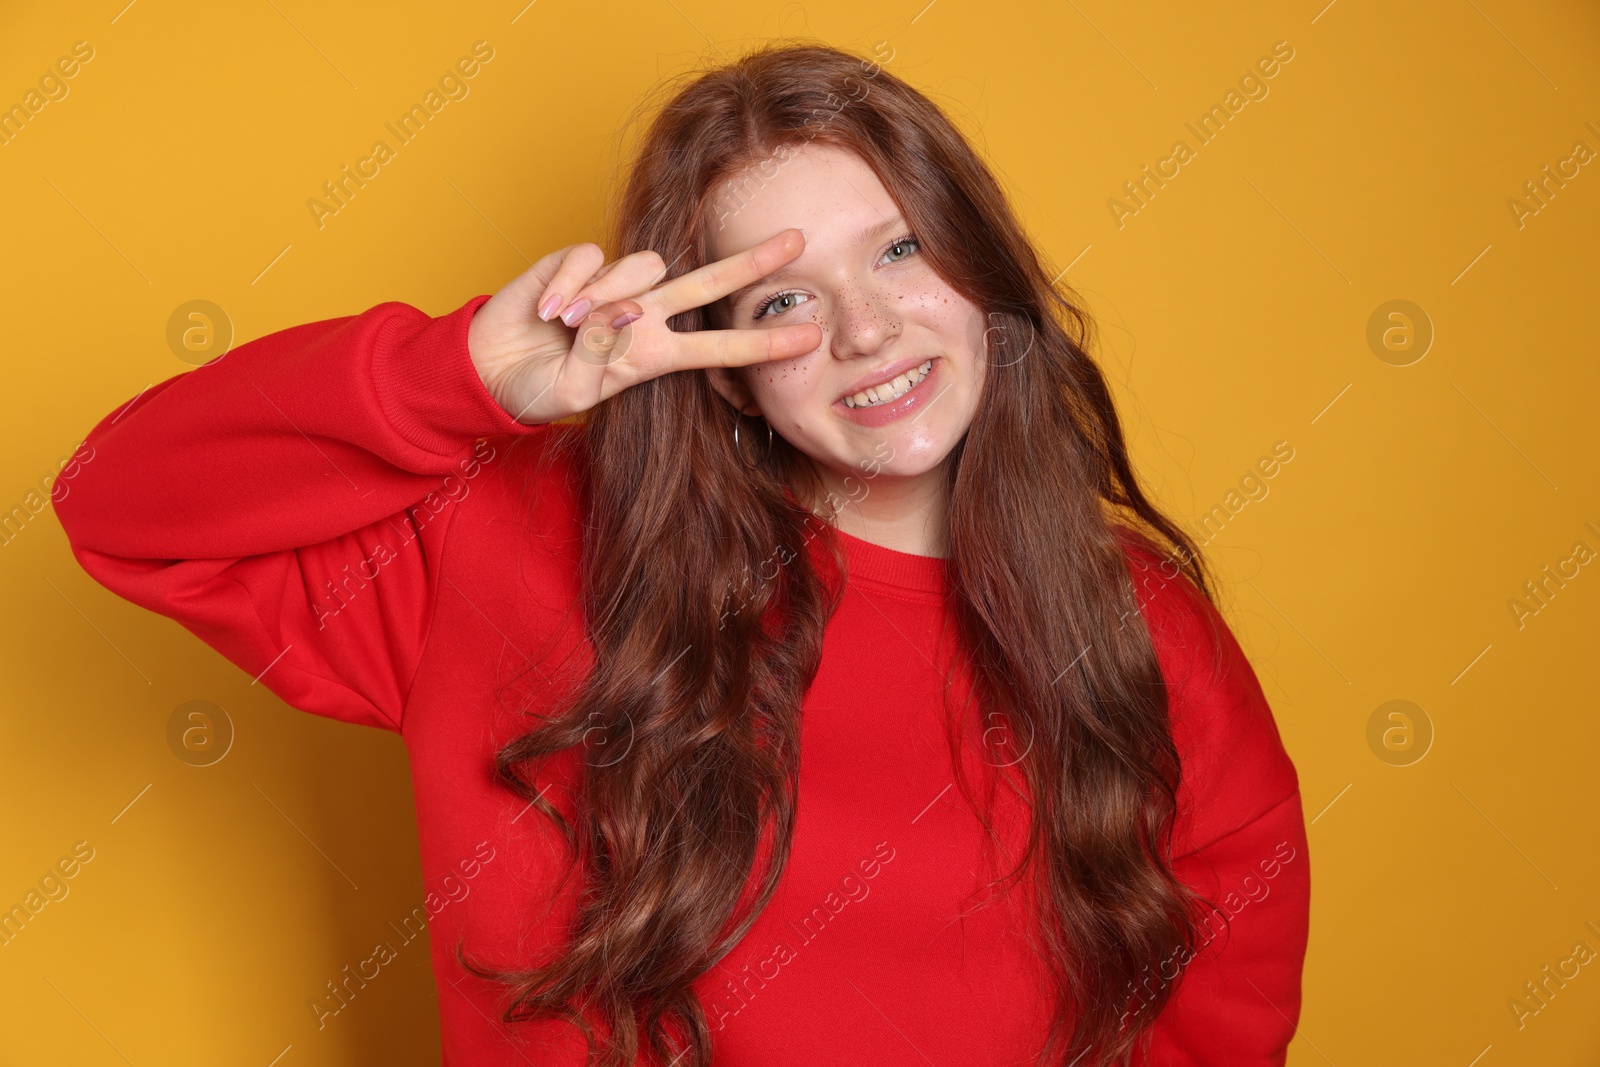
431 389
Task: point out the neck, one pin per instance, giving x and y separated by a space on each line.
906 514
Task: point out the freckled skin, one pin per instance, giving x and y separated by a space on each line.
876 303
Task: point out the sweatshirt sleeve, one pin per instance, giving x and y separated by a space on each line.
288 502
1239 840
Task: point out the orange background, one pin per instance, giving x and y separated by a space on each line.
1427 484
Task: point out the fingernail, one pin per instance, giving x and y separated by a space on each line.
623 319
578 309
549 306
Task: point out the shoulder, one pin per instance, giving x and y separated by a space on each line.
1234 765
1186 629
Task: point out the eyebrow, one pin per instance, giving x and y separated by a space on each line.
862 236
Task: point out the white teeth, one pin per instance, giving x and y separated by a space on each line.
891 390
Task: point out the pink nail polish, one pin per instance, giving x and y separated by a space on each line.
578 309
623 319
549 306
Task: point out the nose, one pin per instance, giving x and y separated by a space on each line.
865 321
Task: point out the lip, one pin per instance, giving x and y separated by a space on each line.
918 396
885 373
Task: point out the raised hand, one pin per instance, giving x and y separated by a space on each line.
541 371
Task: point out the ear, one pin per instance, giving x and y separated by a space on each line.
728 382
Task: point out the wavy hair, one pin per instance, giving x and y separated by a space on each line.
703 650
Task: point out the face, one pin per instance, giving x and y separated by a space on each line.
895 382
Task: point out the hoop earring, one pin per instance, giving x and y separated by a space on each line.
740 451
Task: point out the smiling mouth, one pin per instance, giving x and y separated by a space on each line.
890 391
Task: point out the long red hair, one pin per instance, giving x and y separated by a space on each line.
682 840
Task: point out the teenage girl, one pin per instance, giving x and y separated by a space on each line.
783 644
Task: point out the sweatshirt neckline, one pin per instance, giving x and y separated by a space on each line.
888 566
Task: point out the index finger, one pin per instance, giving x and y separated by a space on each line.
716 280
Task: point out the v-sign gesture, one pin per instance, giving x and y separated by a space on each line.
541 371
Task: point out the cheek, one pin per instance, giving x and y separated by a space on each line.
961 331
936 307
783 389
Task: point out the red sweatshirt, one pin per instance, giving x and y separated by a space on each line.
337 509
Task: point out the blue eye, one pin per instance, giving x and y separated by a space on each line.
761 310
903 241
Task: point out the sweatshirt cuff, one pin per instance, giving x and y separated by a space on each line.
430 391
